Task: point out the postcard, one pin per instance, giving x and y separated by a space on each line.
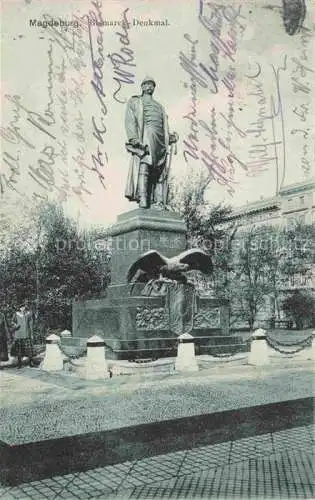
157 209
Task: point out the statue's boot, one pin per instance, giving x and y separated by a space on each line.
143 185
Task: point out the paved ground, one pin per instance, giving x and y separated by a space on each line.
277 465
56 405
267 466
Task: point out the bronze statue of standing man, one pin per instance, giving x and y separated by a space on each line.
151 146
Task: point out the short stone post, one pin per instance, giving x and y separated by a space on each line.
258 348
96 366
186 359
53 360
66 334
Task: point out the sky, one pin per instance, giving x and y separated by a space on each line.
235 86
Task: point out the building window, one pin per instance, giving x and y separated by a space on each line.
302 219
290 202
301 200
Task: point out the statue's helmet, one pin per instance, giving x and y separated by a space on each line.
148 79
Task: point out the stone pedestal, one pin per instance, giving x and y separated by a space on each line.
186 359
137 326
259 354
139 231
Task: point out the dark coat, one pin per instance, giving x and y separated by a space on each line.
135 129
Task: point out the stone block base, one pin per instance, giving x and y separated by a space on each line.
137 326
141 230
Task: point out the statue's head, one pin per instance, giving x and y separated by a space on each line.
148 85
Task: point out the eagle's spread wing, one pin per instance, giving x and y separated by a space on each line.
150 263
196 259
140 276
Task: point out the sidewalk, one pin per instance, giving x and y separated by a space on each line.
269 466
38 406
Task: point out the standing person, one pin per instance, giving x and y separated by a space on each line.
23 335
148 142
4 336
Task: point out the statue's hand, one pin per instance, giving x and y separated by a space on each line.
134 142
173 138
136 148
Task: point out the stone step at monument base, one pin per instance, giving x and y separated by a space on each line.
209 337
219 344
221 349
156 348
144 367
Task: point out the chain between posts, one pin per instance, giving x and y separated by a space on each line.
275 345
72 356
305 342
229 355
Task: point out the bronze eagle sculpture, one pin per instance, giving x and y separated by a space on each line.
152 266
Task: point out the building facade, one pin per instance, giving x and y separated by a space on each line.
294 206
